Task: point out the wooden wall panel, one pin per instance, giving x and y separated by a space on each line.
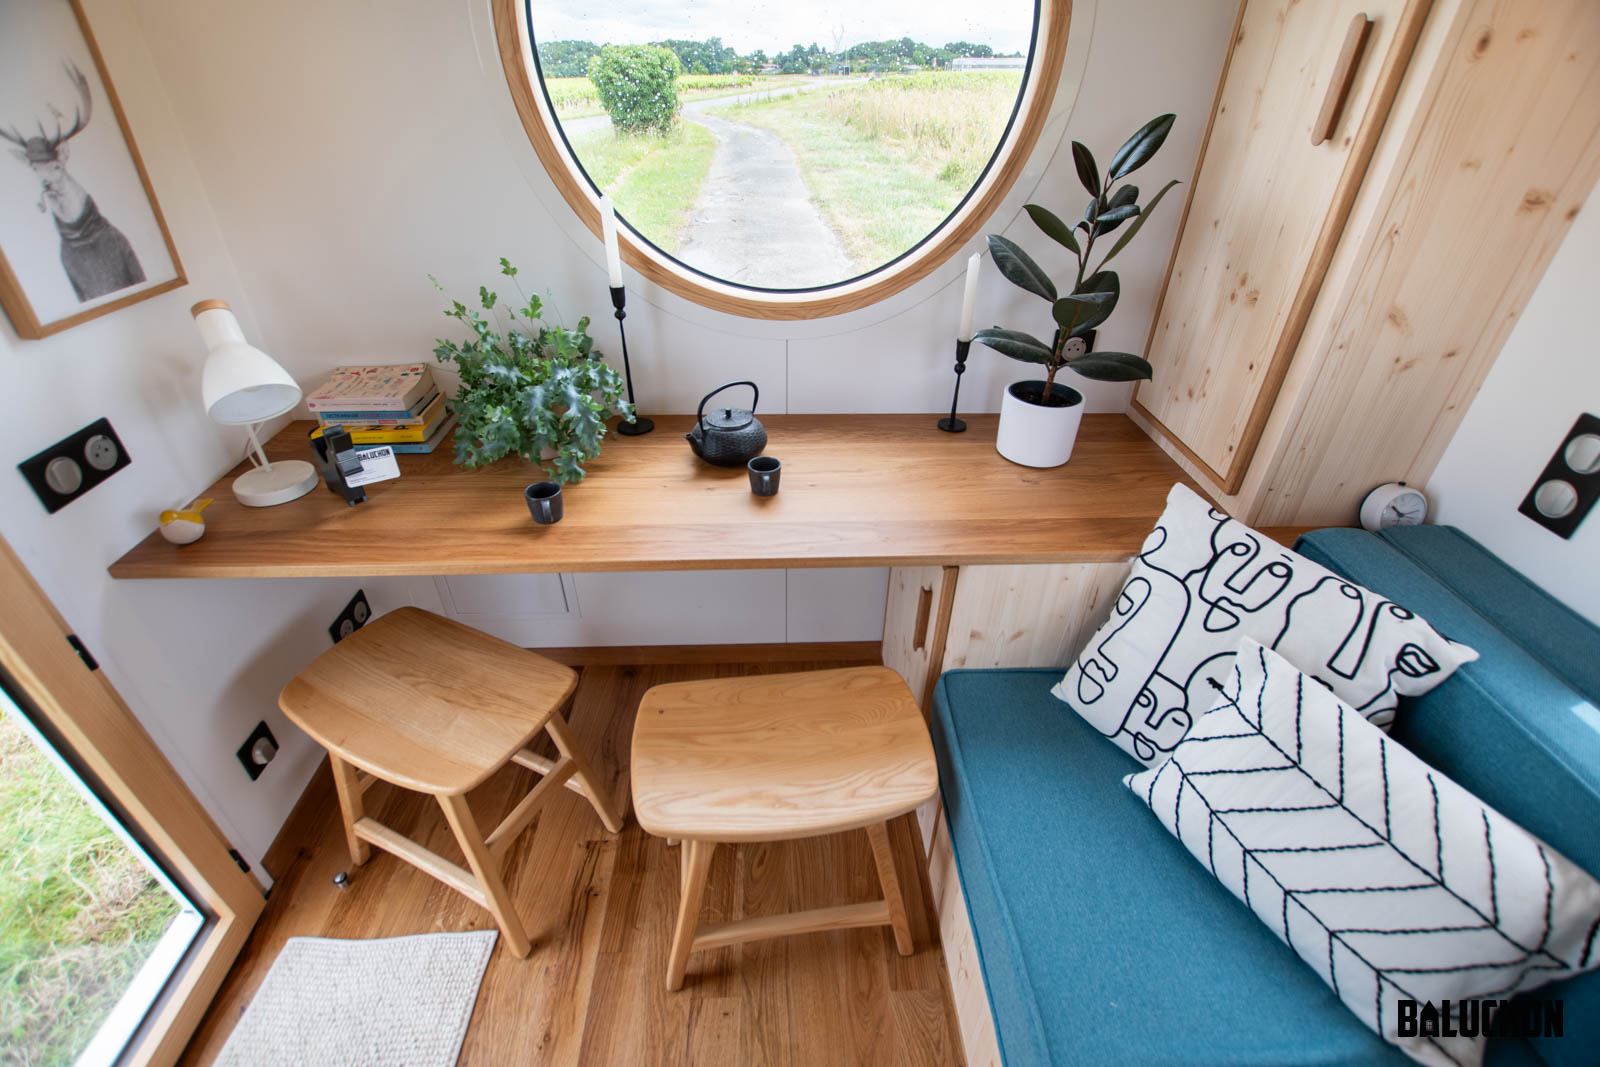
978 1038
1029 616
1264 218
1464 209
915 620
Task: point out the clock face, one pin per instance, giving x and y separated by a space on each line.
1393 504
1407 509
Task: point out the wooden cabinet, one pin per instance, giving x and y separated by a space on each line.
1268 203
915 620
1332 307
1030 615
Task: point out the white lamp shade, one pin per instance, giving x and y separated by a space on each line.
241 384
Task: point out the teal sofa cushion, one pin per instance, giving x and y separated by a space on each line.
1511 727
1547 629
1101 940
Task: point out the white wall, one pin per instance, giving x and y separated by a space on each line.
1546 376
354 149
199 662
316 161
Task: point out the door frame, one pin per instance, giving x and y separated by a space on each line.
81 707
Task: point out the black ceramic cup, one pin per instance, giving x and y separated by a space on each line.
764 472
544 502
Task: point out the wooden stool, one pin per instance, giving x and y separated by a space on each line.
430 705
776 757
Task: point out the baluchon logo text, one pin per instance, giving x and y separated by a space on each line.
1470 1018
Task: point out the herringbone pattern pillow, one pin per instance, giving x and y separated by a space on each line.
1389 879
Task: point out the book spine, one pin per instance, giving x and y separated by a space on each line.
395 418
357 420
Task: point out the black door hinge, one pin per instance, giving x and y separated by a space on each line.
83 653
240 860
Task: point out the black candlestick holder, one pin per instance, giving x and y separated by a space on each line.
953 424
635 426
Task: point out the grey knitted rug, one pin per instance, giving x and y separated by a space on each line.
396 1002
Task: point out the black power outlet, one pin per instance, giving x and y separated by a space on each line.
352 618
257 750
74 465
1569 485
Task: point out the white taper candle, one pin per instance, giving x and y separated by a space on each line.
608 229
969 300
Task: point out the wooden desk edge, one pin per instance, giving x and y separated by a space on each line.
128 568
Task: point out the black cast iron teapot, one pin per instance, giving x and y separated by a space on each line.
728 437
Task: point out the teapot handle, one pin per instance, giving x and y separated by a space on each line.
700 412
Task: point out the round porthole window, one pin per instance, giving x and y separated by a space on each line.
785 160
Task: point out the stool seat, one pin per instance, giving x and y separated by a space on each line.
771 758
425 702
777 756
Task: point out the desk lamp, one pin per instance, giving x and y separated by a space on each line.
243 386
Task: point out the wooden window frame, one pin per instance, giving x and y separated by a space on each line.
80 706
1038 94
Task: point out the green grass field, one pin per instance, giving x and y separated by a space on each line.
575 98
887 160
654 180
79 914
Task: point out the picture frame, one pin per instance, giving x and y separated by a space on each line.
81 231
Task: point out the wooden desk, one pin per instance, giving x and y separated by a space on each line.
857 491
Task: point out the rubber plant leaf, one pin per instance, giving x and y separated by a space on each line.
1082 312
1112 367
1016 344
1019 268
1111 218
1053 227
1088 170
1127 235
1137 150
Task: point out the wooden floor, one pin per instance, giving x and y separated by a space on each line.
599 910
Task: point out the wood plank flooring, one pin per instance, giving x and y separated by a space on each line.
599 910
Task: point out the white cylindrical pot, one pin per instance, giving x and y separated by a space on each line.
1034 435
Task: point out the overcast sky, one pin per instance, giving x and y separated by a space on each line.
746 25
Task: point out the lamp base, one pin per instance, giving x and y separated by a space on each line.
952 425
285 480
638 426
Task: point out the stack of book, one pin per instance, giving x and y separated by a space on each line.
399 406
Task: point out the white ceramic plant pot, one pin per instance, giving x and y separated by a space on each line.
1034 435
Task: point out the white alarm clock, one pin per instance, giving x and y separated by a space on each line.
1393 504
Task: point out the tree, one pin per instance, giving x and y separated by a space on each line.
967 48
710 56
566 59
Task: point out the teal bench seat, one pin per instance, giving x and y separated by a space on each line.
1102 941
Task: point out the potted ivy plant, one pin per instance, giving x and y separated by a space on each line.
1039 419
530 389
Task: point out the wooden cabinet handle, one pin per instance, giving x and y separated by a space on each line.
1344 76
924 612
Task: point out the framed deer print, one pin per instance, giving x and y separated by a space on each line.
81 234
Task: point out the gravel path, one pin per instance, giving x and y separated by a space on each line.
754 222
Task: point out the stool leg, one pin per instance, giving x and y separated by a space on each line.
562 736
487 871
696 858
883 853
350 809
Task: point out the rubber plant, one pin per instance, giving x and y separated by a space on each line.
531 389
1095 291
